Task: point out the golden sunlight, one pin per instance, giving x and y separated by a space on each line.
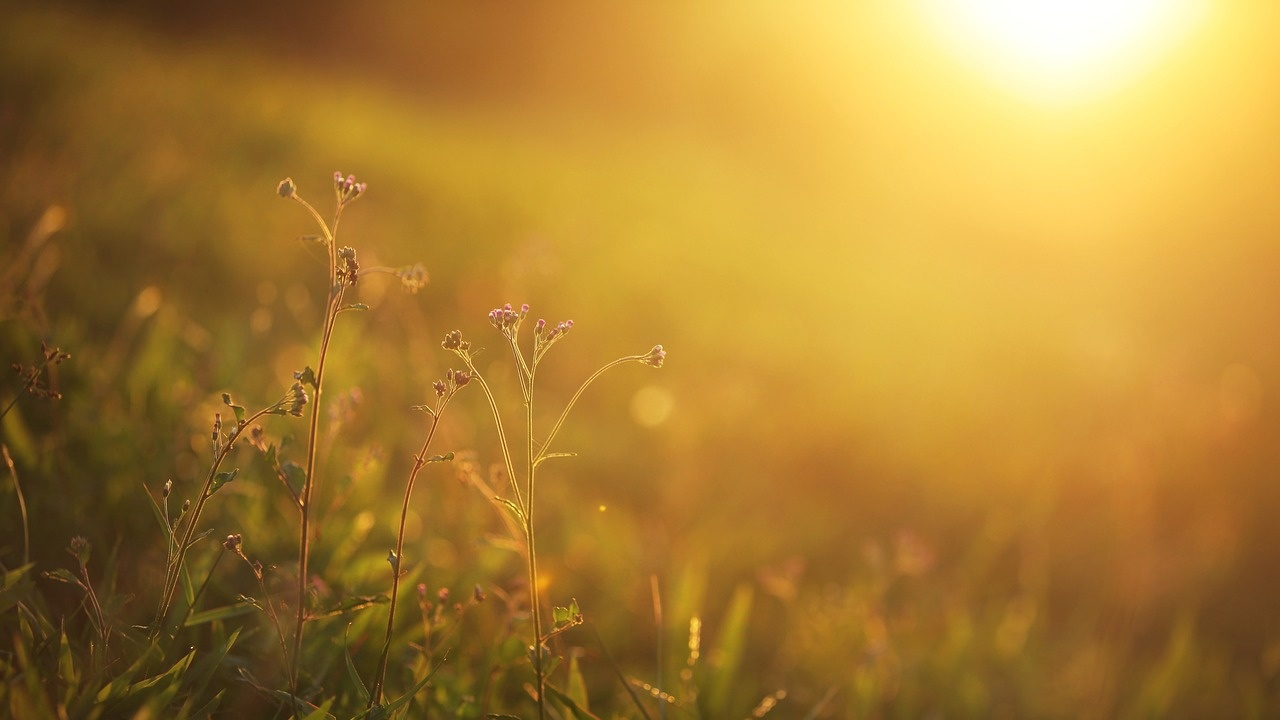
1063 50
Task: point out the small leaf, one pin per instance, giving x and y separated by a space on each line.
62 575
549 456
295 476
424 408
361 691
306 376
447 457
354 306
312 238
221 479
225 612
239 411
512 508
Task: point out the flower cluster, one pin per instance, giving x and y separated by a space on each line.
347 188
348 267
453 341
506 320
292 402
453 380
33 376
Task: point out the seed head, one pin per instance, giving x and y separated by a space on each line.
655 357
286 188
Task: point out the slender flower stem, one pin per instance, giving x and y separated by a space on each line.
535 601
22 505
556 428
502 435
336 289
419 462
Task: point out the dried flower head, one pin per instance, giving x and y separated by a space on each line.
348 267
286 188
233 543
655 357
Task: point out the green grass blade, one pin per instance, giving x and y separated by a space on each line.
361 691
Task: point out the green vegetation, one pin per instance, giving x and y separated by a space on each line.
239 482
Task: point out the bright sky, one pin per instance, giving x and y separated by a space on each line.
1063 50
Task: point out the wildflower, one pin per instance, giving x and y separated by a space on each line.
453 341
292 402
168 488
347 188
233 543
286 188
655 357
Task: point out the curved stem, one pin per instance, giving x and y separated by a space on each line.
419 462
502 435
556 428
304 534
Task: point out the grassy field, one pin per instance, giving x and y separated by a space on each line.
968 410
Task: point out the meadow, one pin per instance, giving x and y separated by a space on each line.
928 405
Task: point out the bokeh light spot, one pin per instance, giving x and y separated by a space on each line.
652 405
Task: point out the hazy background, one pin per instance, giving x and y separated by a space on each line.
1024 351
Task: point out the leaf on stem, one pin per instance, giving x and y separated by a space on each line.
512 508
62 575
548 456
238 410
221 479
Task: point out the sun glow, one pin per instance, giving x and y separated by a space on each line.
1063 49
